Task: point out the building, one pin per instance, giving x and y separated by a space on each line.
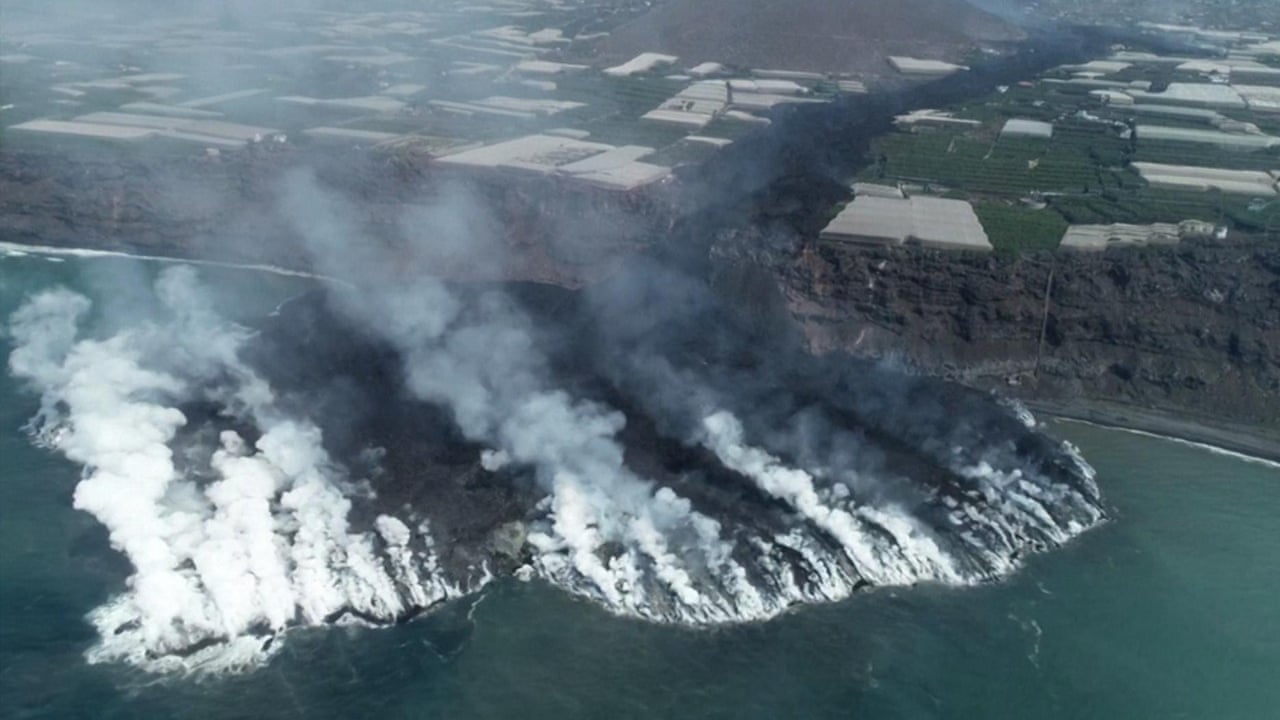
1017 127
128 127
928 222
1209 117
1240 142
642 63
54 129
1197 94
693 107
349 136
593 164
546 67
1096 238
1261 98
934 119
887 191
352 105
706 69
1097 68
1112 97
1203 179
928 68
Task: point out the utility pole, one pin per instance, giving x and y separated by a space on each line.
1044 320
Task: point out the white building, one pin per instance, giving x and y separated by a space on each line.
591 163
1018 127
925 221
642 63
81 130
1261 98
693 107
1198 94
871 189
1096 238
1203 179
1243 142
935 119
930 68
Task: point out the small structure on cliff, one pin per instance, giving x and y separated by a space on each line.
128 127
590 163
930 222
934 119
642 63
1100 237
923 67
1184 177
1020 127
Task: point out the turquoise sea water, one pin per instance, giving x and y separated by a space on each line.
1171 610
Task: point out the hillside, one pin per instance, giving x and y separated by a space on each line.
812 35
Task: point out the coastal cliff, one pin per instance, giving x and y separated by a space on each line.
1192 332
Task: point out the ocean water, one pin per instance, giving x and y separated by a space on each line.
1170 610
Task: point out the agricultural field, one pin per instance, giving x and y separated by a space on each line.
1078 159
1014 228
1082 174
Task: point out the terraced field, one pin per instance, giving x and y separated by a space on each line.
1073 161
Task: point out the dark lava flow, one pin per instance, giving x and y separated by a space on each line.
659 347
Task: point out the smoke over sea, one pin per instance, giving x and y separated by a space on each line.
381 446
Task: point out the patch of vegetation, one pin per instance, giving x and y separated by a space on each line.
1015 229
1149 205
1012 167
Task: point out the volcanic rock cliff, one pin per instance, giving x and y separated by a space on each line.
1193 331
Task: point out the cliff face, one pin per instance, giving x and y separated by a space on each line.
1194 331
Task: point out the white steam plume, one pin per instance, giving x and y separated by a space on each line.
608 533
886 546
225 559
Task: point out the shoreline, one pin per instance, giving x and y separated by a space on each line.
13 249
1246 443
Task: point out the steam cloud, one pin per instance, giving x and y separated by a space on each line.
481 363
234 541
231 547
